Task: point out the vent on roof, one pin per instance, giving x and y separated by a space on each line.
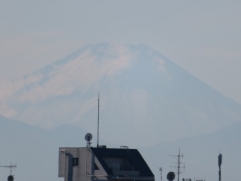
124 147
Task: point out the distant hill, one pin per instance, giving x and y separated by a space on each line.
144 96
33 149
200 155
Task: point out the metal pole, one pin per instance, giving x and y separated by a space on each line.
98 120
220 157
178 166
219 173
161 172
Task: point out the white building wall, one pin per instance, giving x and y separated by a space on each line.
85 169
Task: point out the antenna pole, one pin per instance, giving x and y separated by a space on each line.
219 173
178 167
161 172
98 120
10 166
178 163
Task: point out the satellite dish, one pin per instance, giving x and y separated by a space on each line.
88 137
10 178
171 176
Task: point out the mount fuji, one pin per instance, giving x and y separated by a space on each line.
145 98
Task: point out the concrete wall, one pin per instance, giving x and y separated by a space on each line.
85 170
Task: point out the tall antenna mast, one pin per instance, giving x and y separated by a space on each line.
178 167
98 120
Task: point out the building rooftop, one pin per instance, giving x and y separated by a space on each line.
125 159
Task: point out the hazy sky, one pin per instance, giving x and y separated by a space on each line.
202 36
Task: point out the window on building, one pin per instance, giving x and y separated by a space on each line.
75 162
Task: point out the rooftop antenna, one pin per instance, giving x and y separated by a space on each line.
98 119
179 164
220 156
10 166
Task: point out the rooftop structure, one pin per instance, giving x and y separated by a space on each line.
101 163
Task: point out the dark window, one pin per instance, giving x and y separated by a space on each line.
75 162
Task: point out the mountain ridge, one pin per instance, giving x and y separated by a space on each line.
141 92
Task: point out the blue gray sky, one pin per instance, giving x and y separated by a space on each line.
202 36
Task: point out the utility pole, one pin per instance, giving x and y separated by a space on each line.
179 164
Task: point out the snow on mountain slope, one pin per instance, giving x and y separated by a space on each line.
144 96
